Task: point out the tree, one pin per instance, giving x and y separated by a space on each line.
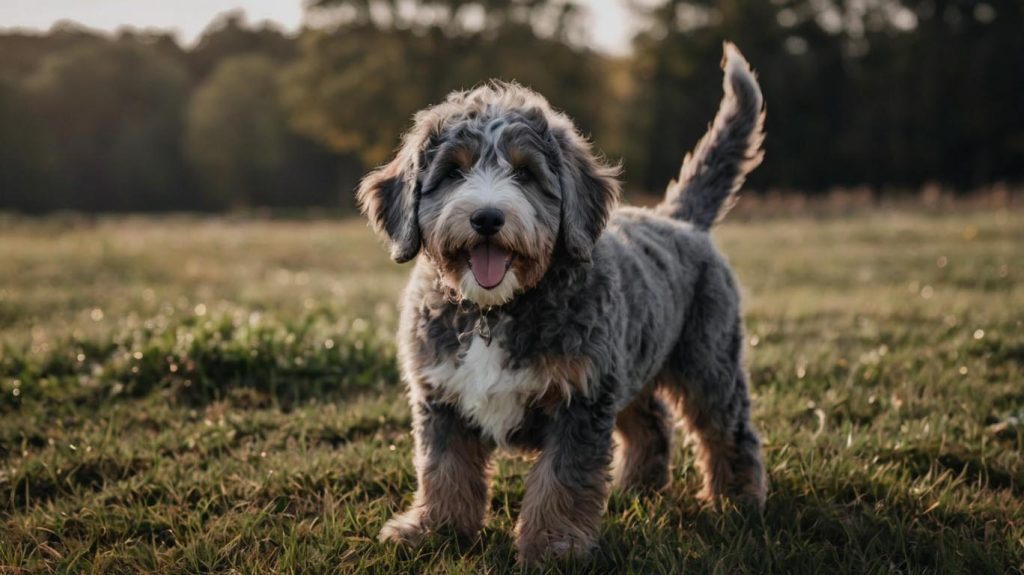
886 93
26 166
114 114
560 20
240 145
229 35
678 79
236 135
359 100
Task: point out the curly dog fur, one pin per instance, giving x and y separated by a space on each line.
541 316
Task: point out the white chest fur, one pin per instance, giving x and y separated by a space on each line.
487 392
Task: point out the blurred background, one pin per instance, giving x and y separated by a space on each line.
204 106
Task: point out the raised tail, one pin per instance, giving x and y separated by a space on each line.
714 171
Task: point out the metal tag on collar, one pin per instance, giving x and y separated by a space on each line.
483 327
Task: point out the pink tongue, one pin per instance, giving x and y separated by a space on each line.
488 264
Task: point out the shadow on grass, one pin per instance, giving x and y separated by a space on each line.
834 530
827 531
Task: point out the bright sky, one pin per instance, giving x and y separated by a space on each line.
611 32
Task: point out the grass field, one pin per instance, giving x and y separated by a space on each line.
190 396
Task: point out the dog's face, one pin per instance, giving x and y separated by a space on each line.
493 186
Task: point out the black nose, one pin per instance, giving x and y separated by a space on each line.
487 221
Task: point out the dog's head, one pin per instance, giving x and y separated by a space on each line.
493 186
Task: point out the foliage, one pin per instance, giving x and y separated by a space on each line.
891 94
887 93
24 158
199 395
134 123
239 143
230 35
108 100
359 100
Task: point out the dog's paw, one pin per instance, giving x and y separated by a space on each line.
748 496
538 547
405 529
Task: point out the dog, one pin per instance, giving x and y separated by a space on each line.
541 316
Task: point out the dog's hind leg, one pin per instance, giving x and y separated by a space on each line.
728 449
644 431
705 378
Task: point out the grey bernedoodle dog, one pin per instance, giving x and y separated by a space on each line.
541 316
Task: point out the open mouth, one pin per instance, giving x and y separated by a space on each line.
489 263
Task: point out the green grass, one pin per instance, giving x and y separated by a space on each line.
189 395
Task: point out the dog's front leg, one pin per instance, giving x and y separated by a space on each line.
567 488
452 469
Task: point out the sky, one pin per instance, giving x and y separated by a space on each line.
611 31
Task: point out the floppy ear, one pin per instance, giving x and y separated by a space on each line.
389 198
590 189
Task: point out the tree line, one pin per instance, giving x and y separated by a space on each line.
886 93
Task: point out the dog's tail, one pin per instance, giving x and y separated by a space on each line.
714 171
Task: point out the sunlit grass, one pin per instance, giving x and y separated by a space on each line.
206 395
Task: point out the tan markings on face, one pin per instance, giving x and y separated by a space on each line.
516 157
451 269
464 157
529 270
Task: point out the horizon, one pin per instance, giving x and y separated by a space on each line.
611 33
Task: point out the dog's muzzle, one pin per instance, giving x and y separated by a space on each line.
487 221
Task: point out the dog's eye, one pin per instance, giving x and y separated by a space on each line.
455 173
522 174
